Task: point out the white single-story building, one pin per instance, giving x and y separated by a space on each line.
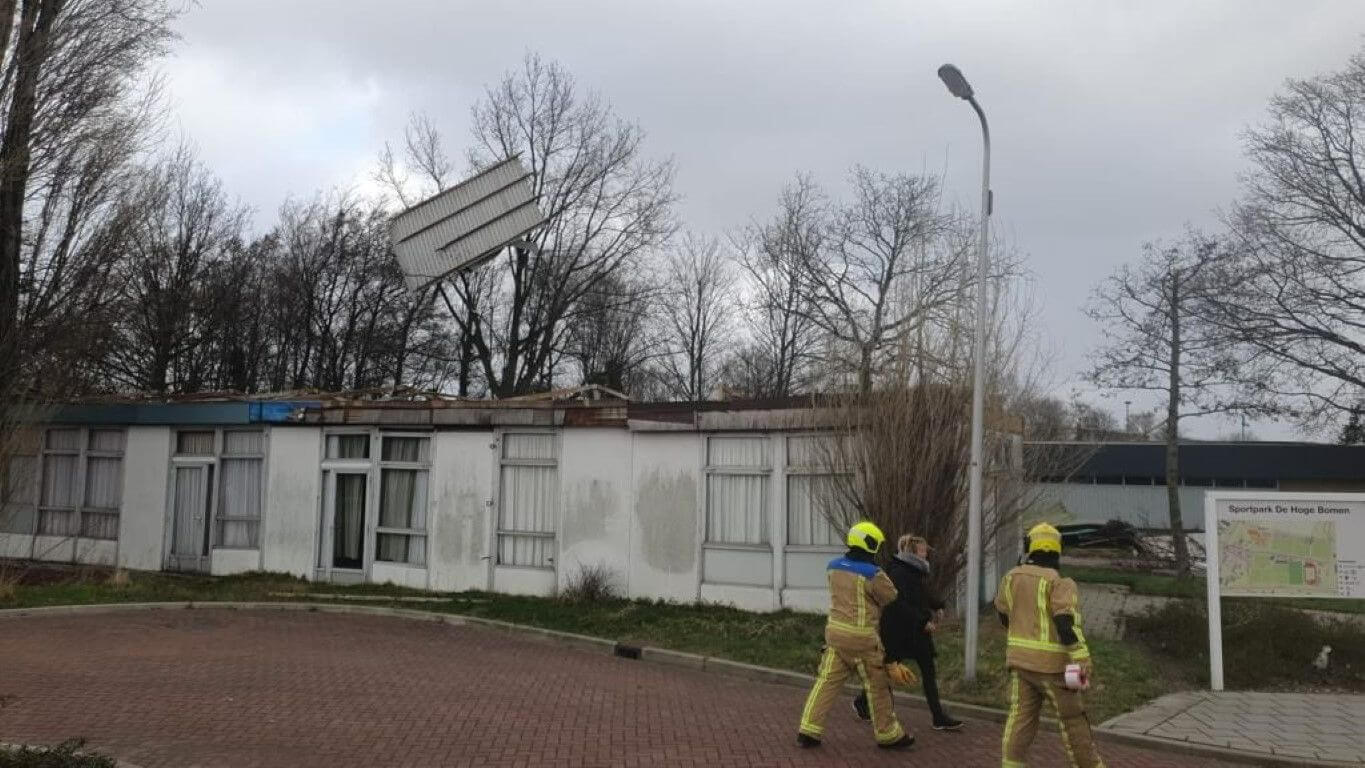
699 501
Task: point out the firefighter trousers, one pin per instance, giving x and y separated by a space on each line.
1028 691
845 657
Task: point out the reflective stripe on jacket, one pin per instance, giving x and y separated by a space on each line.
858 591
1031 596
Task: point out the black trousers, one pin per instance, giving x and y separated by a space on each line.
928 675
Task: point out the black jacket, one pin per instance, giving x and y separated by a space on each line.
902 625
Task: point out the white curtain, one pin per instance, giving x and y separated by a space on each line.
63 440
194 443
737 451
402 504
59 490
528 502
242 443
736 512
191 490
19 495
103 490
106 440
348 446
528 445
810 501
410 449
239 503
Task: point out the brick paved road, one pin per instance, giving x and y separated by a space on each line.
226 688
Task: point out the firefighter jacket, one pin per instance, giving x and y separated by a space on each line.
858 592
1032 598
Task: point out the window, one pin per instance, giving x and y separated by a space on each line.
237 522
817 495
348 446
194 443
737 470
19 483
528 499
82 483
401 536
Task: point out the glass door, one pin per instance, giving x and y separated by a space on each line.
191 511
348 521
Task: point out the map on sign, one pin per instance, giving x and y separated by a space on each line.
1287 544
1279 557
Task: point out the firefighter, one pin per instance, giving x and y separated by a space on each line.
858 591
1038 607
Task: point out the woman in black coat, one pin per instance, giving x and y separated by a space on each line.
908 626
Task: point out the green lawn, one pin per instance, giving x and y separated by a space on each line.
786 640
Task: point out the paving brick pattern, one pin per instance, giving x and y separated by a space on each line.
211 688
1314 726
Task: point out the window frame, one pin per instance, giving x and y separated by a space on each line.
379 464
215 460
83 453
551 463
764 471
790 470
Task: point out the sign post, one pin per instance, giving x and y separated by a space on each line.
1300 545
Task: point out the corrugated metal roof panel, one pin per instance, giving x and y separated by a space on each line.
465 223
451 201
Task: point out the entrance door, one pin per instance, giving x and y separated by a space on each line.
341 545
192 509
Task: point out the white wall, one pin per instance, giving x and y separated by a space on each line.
293 500
402 575
665 526
144 514
595 505
460 518
16 545
225 562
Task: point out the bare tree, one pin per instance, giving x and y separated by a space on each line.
778 359
1155 339
76 104
1292 291
698 308
606 207
179 222
885 241
612 338
1043 417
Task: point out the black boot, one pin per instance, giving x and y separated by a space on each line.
860 707
905 742
946 723
806 742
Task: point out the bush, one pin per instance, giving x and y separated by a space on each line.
591 584
65 755
1265 646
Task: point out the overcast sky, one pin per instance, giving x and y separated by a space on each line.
1113 123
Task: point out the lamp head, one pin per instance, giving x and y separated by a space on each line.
956 82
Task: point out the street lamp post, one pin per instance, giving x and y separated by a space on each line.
958 86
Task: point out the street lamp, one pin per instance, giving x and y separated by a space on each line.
959 87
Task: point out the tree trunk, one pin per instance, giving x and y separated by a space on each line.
30 54
1182 552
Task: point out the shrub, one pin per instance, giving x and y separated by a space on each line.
1265 646
590 584
65 755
